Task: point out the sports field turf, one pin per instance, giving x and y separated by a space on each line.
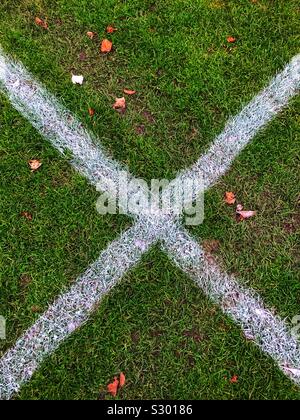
155 326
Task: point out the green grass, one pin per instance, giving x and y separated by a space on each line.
189 82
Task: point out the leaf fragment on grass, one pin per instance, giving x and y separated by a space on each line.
234 379
77 80
112 388
34 164
129 92
231 39
91 112
27 215
106 46
120 104
229 197
111 29
91 34
246 214
42 23
122 379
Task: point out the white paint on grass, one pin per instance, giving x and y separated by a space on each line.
55 123
73 308
240 130
244 306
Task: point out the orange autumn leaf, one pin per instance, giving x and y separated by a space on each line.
229 197
106 46
234 379
129 92
122 379
34 164
91 112
91 34
120 104
40 22
112 388
231 39
111 29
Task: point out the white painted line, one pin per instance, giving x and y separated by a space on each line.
55 123
62 129
66 133
73 308
241 129
244 306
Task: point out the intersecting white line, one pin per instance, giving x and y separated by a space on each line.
244 306
65 132
73 308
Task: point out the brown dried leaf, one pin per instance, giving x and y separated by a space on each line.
34 164
129 92
91 34
229 197
40 22
122 379
106 46
120 104
27 215
112 388
111 29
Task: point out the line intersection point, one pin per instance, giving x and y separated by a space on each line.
72 309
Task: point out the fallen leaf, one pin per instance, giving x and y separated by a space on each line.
229 197
91 34
91 112
77 80
106 46
34 164
120 104
231 39
112 388
41 23
234 379
27 215
111 29
122 379
129 92
246 214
